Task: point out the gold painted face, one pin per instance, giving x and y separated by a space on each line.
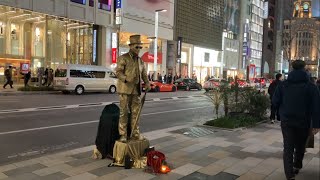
135 48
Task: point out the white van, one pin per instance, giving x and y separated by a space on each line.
81 78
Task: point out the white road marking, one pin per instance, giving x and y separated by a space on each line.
75 106
90 122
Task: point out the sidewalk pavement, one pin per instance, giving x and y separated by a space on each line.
14 91
194 153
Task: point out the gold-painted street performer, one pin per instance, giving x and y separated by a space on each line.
130 70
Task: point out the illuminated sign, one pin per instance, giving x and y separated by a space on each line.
265 10
94 47
114 46
118 4
179 46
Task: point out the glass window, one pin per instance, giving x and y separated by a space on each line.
61 73
80 74
98 74
79 1
104 4
91 3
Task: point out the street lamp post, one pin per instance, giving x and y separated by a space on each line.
155 52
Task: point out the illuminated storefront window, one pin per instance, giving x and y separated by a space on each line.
42 41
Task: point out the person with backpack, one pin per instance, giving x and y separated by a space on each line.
271 91
8 75
298 101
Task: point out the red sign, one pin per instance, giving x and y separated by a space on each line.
114 55
24 68
149 58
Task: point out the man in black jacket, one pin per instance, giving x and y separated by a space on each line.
298 101
271 90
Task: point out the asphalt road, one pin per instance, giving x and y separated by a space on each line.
61 124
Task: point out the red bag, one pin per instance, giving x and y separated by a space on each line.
155 160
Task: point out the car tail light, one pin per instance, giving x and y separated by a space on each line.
67 81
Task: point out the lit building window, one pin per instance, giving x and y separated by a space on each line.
104 4
79 1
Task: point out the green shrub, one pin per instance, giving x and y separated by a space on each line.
232 122
34 88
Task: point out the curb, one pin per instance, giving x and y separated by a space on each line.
21 93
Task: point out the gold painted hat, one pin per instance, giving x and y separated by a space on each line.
135 39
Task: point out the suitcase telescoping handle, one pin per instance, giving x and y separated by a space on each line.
139 112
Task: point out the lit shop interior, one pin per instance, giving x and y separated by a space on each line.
41 41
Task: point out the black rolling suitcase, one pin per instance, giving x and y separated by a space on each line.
108 131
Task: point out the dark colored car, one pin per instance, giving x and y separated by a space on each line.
187 84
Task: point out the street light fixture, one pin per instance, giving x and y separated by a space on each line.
155 52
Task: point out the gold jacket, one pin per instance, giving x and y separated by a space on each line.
126 72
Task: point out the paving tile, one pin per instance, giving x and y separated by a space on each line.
223 176
205 161
264 169
52 169
242 154
140 176
83 176
55 176
82 155
2 176
224 144
195 176
7 167
84 168
243 166
228 161
23 170
163 139
80 162
219 154
193 148
251 176
105 170
187 169
129 172
271 149
251 161
212 169
238 169
112 176
24 176
57 161
169 176
254 148
276 175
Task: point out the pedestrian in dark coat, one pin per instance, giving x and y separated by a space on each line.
27 78
271 91
298 101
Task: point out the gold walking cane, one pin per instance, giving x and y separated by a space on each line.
139 112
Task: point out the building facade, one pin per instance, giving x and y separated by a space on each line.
199 25
269 39
231 40
301 36
138 17
46 33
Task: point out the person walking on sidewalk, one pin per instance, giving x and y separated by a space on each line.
298 101
8 75
27 78
271 90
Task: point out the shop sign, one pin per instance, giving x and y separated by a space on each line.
118 4
179 47
114 46
114 55
119 12
24 68
94 51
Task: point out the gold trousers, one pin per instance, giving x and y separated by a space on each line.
132 103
